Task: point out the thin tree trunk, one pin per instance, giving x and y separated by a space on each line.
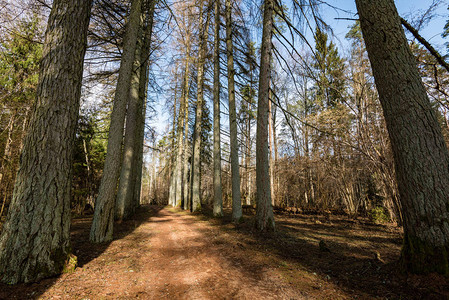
196 165
185 176
89 174
172 187
235 170
218 194
35 240
264 210
7 152
248 158
178 168
270 147
248 140
103 221
420 154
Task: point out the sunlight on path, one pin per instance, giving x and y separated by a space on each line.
172 256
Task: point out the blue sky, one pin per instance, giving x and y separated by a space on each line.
408 9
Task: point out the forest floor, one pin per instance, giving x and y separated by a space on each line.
170 254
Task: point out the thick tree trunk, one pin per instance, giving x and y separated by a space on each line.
102 225
124 206
35 241
420 154
218 194
196 165
264 210
235 170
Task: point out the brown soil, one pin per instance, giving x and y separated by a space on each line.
167 253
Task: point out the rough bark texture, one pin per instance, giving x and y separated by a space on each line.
235 170
264 210
35 241
196 165
102 225
124 206
143 87
218 194
420 154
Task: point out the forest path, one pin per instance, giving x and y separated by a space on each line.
164 254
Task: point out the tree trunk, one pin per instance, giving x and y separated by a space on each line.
172 187
35 241
185 176
178 168
420 154
196 165
270 146
7 152
143 84
235 170
102 225
124 206
264 210
218 194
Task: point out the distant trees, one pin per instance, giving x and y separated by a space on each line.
21 52
35 239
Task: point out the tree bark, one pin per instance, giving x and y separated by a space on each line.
270 146
420 154
124 206
35 241
264 210
185 176
235 170
172 187
143 87
218 194
196 165
178 168
102 225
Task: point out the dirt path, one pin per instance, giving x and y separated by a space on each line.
170 255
